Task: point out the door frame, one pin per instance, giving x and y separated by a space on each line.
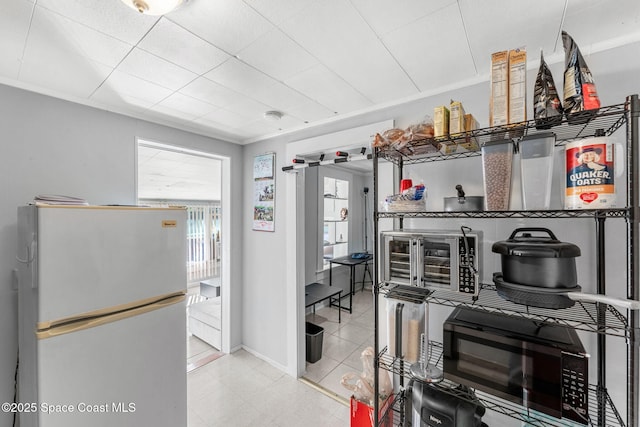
225 243
295 226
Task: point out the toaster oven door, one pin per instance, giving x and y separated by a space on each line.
399 259
438 262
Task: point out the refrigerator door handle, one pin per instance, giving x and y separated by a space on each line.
92 322
31 250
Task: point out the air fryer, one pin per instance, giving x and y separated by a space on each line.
431 406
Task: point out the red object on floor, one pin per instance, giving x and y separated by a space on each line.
362 414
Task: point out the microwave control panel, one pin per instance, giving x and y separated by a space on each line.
575 389
467 271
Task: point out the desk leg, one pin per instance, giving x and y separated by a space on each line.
330 275
364 274
340 307
352 284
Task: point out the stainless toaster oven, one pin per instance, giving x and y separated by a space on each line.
441 259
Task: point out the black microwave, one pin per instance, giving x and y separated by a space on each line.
539 366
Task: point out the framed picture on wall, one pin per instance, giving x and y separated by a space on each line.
264 189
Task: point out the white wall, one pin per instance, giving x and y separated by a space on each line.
53 146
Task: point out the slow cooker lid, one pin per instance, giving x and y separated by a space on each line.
523 243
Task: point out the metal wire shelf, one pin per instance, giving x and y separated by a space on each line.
577 213
582 316
608 119
395 365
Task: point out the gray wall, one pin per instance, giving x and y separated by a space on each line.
53 146
264 294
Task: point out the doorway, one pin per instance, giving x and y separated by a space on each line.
174 176
297 247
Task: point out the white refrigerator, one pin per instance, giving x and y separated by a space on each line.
102 323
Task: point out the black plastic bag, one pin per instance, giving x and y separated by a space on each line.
581 101
547 108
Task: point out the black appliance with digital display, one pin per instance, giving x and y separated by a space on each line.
539 366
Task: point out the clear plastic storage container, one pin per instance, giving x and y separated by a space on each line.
536 166
497 157
411 329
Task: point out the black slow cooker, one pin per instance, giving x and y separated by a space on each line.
538 260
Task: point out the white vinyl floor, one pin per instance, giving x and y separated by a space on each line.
239 389
343 342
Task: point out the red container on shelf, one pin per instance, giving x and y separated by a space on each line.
405 184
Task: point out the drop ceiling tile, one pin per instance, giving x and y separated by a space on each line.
170 41
122 102
211 92
335 33
109 17
289 122
187 105
592 21
239 133
310 112
230 25
134 87
226 117
257 128
60 33
279 97
385 16
149 67
160 112
14 25
240 77
325 87
68 75
534 25
425 35
248 107
49 63
277 55
277 11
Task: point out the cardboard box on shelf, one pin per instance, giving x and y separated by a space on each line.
517 85
456 118
440 121
499 99
470 143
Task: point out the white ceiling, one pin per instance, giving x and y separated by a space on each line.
215 66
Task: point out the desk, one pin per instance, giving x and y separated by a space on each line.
318 292
351 263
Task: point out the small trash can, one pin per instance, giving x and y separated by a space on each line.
314 341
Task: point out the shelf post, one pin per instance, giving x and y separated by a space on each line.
376 344
633 259
602 312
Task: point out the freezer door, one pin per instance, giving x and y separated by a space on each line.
127 373
92 258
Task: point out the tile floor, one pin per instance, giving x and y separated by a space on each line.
240 389
343 342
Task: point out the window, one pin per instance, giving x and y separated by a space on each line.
335 226
203 237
